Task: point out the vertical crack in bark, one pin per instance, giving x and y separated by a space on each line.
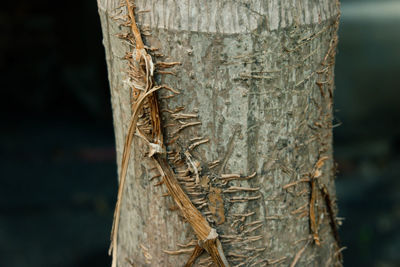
325 83
144 94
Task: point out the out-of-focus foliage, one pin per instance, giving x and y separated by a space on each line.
367 144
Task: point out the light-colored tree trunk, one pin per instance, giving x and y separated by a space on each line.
254 147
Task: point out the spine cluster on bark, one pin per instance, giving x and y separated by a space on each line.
235 219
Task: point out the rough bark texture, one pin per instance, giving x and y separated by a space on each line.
258 77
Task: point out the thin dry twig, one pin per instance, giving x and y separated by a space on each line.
141 74
298 254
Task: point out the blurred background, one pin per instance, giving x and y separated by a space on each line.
58 172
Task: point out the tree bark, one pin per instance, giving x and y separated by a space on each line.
249 137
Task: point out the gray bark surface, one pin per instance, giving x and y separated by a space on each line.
258 75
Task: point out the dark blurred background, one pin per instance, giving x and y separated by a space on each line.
58 171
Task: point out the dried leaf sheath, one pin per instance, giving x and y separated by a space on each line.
144 94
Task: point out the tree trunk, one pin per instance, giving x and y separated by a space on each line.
249 137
